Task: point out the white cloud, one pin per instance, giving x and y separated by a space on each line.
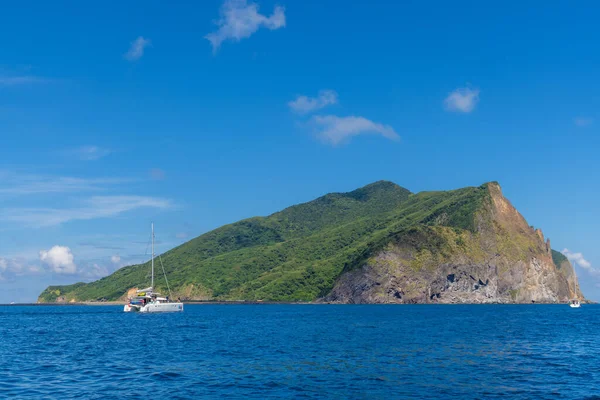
136 50
13 267
59 259
335 130
462 100
9 268
240 19
91 153
94 207
579 259
583 122
14 183
304 104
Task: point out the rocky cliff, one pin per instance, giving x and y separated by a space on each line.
501 260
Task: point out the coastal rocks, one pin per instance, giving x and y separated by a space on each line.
533 282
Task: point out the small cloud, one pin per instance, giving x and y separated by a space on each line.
462 100
136 50
579 259
182 235
240 19
12 267
583 122
336 130
90 153
157 174
115 259
100 246
304 104
15 183
94 207
59 259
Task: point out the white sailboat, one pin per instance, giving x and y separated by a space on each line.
146 300
575 303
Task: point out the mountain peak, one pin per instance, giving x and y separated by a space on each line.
373 189
492 186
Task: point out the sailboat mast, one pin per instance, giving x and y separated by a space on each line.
575 282
152 285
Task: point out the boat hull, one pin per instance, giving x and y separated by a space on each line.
162 307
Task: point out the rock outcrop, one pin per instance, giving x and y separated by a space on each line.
501 260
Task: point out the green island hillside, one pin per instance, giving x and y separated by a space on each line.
378 244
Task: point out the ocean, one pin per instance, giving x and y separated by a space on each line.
301 351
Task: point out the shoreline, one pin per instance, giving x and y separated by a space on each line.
241 302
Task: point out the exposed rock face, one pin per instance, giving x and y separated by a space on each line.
503 260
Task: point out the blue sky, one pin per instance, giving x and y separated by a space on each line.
196 114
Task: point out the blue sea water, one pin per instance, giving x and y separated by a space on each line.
302 351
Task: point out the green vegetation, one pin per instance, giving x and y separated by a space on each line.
559 258
298 253
563 265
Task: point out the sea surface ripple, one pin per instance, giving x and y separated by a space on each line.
301 351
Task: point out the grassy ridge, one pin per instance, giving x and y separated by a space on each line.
295 254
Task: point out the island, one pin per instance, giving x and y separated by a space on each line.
377 244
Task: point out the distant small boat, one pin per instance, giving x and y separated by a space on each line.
575 303
147 300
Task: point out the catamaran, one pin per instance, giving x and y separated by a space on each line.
575 303
147 300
